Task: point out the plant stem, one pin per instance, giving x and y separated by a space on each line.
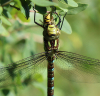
6 3
52 9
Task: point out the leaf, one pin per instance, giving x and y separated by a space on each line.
19 14
5 12
29 2
1 9
5 91
5 21
44 3
4 1
22 17
63 9
66 1
26 8
62 4
23 5
41 10
75 10
3 31
17 3
72 3
66 27
63 1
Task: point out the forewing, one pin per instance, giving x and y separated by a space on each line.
23 68
78 68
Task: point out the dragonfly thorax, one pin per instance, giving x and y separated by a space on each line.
51 32
51 45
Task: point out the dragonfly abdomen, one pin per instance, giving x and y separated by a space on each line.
51 76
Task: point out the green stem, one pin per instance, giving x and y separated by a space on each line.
52 9
6 3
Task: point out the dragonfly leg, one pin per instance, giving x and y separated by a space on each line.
62 21
59 19
34 19
60 27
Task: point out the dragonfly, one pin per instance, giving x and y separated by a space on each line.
72 66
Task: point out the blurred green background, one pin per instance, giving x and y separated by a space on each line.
26 39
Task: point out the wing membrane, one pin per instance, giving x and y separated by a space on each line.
77 67
24 67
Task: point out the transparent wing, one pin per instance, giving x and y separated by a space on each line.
78 68
30 65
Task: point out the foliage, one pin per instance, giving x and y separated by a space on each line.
17 30
21 9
